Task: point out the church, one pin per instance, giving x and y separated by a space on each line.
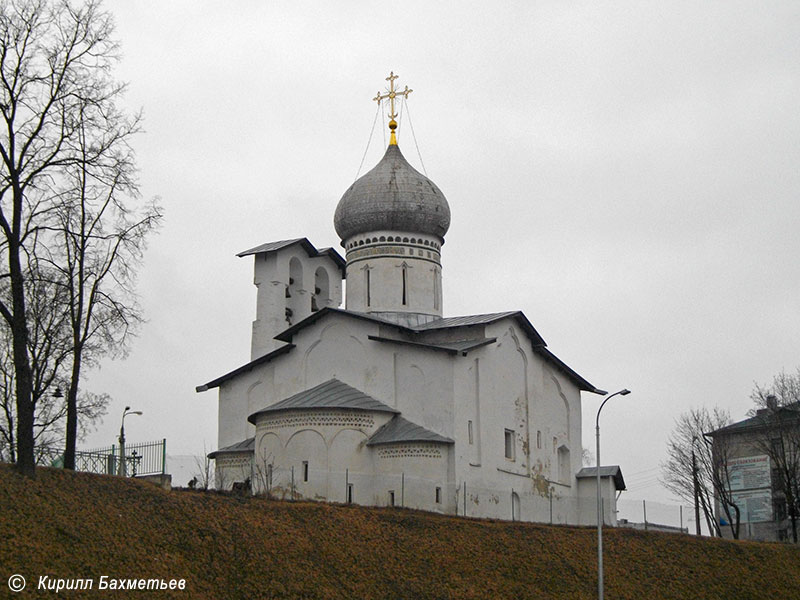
387 401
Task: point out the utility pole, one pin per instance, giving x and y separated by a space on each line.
696 490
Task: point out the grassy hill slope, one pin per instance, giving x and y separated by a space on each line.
79 525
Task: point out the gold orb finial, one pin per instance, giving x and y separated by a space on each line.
391 95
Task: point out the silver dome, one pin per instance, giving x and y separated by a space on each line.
393 196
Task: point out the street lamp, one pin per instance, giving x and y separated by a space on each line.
125 413
623 392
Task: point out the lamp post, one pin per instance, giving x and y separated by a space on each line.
125 413
623 392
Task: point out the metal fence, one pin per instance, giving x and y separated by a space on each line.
146 458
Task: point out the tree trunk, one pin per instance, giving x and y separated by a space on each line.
26 464
72 413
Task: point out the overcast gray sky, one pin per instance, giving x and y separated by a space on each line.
626 173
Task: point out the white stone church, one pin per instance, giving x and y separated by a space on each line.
387 401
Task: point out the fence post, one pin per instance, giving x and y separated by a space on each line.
164 456
644 510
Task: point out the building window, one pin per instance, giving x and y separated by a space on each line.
391 497
305 470
269 476
349 493
405 284
539 440
779 507
367 285
469 431
436 291
438 495
509 437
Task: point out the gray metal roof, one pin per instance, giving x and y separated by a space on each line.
307 246
466 320
271 246
486 319
608 471
393 196
244 368
764 418
243 446
286 335
564 368
331 394
463 346
401 430
537 342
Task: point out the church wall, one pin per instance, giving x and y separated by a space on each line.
423 380
564 420
331 442
493 393
337 347
414 471
232 467
322 455
416 381
501 386
234 397
506 387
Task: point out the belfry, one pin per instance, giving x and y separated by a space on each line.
387 401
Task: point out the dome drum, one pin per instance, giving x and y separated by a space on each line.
393 244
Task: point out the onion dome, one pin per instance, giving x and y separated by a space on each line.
393 196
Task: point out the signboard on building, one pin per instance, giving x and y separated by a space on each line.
749 472
755 506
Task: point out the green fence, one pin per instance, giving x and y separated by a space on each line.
146 458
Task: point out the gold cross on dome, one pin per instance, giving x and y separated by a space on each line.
391 95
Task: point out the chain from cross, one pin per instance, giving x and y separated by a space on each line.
392 94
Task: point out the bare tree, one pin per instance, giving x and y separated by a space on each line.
49 350
263 473
720 471
776 433
690 461
65 168
204 470
783 391
102 241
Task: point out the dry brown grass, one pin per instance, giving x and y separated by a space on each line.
79 525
